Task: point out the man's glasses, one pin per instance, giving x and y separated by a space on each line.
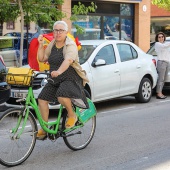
60 31
160 36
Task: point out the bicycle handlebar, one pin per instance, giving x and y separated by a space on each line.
46 72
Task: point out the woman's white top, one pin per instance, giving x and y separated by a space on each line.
162 51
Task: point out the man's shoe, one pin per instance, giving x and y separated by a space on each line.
161 97
41 135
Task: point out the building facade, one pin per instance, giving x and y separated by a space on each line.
160 21
132 16
113 19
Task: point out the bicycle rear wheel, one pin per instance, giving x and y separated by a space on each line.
15 150
79 138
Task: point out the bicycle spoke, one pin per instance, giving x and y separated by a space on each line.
15 148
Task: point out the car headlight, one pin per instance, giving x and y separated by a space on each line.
44 82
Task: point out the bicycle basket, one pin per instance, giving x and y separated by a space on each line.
86 114
19 76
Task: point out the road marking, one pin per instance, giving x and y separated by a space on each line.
115 110
164 101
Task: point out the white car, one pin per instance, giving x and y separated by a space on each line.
115 68
152 52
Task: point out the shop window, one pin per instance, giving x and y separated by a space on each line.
127 9
10 25
111 21
127 27
108 8
102 7
159 24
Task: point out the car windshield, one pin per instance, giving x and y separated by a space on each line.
85 52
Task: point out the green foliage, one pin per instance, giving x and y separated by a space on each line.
8 12
162 4
79 10
40 10
46 11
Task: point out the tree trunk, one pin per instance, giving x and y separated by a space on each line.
1 27
22 33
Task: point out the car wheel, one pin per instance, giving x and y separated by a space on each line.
145 91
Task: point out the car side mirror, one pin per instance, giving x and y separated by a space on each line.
99 62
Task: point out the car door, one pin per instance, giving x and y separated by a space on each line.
105 73
130 68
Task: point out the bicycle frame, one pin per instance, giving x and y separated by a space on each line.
31 101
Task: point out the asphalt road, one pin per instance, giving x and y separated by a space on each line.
129 136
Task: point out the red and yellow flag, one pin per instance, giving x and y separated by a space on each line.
33 48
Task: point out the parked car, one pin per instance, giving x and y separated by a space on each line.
152 52
115 68
13 34
45 31
10 50
18 34
4 87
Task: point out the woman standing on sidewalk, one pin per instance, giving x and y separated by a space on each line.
163 54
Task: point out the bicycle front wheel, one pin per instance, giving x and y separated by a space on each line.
14 148
79 138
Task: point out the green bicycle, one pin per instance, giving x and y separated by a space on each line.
18 127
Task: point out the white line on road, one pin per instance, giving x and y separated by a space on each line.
115 110
164 101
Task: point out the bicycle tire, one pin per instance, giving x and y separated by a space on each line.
14 151
79 138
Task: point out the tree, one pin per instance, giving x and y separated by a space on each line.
8 12
36 10
162 4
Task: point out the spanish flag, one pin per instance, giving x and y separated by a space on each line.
33 48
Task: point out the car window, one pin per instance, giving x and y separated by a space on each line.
126 52
85 52
6 44
134 53
152 51
106 53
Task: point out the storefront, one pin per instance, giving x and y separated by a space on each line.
160 21
114 19
109 21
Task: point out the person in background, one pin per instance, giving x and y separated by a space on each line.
161 48
66 73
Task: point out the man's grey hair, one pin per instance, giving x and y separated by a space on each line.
61 22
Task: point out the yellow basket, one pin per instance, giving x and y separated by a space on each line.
19 76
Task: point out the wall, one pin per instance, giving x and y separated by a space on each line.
66 8
142 25
158 12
